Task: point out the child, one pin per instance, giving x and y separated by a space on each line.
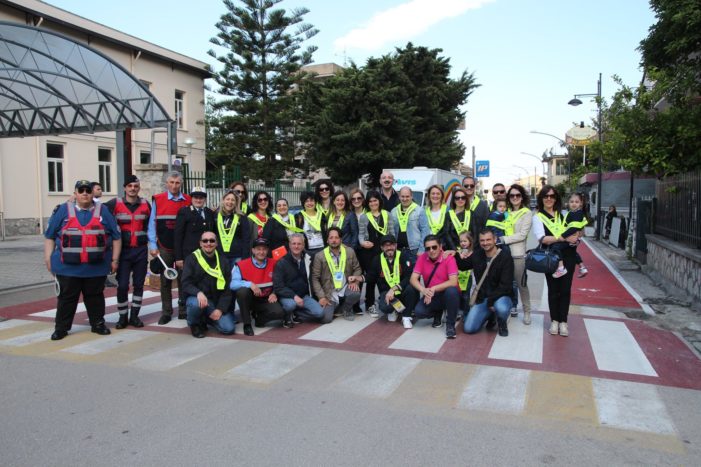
575 220
496 222
465 277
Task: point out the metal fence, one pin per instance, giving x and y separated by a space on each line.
217 183
676 211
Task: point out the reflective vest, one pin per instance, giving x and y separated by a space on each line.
166 211
82 244
394 277
475 202
261 224
385 216
337 271
464 279
227 235
575 224
463 226
437 225
314 222
132 224
215 272
555 225
403 216
320 209
339 223
289 225
512 219
501 225
262 277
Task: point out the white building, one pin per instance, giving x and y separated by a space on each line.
37 173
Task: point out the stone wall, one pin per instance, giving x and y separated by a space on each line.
25 226
673 262
151 178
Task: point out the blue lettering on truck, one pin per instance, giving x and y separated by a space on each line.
400 181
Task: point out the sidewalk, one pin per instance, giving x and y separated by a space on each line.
22 263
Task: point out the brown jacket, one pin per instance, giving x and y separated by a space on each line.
322 282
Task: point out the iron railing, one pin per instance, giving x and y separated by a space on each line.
676 212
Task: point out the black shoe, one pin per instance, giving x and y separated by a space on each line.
357 310
437 320
296 319
164 319
100 329
122 323
182 314
196 331
450 331
503 330
248 329
491 322
260 324
58 335
287 323
135 321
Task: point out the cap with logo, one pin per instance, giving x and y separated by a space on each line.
198 191
83 183
261 242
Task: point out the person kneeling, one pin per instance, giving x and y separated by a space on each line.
494 272
206 276
336 277
440 286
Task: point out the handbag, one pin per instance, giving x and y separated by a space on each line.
541 260
473 295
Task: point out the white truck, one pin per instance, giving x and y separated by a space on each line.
419 179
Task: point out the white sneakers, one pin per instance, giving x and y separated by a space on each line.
554 328
392 317
372 311
559 328
564 332
406 322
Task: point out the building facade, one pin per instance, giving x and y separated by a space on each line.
37 173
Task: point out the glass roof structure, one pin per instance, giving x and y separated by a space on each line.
51 84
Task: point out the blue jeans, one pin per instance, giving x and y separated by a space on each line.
311 310
448 300
480 312
226 324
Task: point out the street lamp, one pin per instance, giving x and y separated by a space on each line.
563 143
600 198
539 159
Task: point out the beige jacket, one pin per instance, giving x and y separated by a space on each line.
517 241
322 282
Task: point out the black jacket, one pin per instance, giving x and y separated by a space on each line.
374 273
189 227
452 239
500 280
273 231
241 245
195 280
479 219
299 222
289 279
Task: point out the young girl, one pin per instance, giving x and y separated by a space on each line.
497 222
465 277
575 221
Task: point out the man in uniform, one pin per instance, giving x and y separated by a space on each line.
89 245
161 238
132 213
206 277
191 222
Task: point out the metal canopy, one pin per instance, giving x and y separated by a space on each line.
50 84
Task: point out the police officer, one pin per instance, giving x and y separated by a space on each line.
161 238
89 245
132 213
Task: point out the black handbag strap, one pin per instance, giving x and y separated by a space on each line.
426 284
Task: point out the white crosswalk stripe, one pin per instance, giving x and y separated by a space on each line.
494 389
109 301
13 323
340 330
421 338
273 364
145 311
377 375
524 343
116 340
183 352
615 348
34 337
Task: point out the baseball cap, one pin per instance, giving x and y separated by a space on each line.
198 190
261 242
131 179
81 183
388 239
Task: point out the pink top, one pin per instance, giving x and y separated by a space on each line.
446 267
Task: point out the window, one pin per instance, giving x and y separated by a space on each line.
180 108
144 157
54 156
104 166
560 167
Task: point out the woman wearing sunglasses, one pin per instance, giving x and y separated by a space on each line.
322 194
240 190
358 208
548 226
459 219
261 227
518 225
371 228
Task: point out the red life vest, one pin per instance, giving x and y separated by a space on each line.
132 224
166 211
82 244
263 278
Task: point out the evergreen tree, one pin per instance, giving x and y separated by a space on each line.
260 68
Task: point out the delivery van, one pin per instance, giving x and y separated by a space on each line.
419 179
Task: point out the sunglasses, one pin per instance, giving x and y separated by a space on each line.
324 188
238 192
459 198
209 240
469 187
357 198
514 195
432 247
549 196
498 192
84 189
263 200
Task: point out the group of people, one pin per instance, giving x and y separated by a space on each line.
447 262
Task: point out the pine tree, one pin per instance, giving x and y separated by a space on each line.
260 68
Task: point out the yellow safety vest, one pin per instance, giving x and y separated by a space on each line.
320 209
257 221
315 221
575 224
438 225
214 272
382 230
403 216
463 279
513 218
556 226
288 226
336 271
460 227
393 278
227 235
339 224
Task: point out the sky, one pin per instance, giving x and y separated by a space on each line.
530 56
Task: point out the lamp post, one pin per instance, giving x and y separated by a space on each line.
539 159
600 198
564 144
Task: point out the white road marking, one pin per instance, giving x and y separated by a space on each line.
377 375
601 312
109 301
421 338
256 331
339 330
13 323
544 297
145 310
631 406
38 336
117 339
495 389
615 348
182 353
524 343
273 364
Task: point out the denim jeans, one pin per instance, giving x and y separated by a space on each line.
480 312
448 300
311 310
226 324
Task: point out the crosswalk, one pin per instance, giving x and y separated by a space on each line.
603 402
